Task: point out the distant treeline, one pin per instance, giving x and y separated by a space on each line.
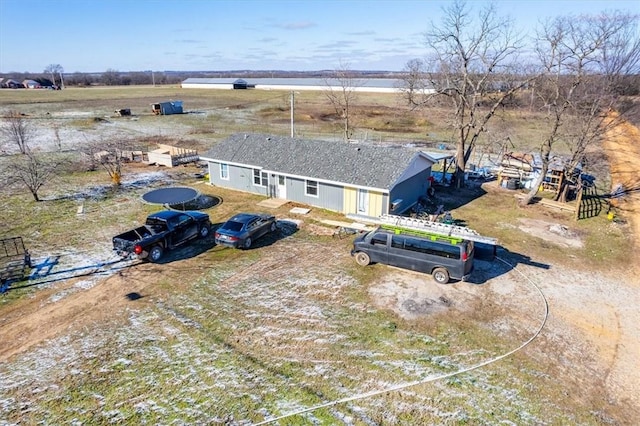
131 78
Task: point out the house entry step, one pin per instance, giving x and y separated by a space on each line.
273 203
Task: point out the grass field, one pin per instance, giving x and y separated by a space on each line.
215 114
222 336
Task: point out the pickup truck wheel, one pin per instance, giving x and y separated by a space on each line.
440 275
155 253
247 243
204 231
363 259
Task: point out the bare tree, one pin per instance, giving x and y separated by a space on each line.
475 66
341 93
112 163
16 130
110 77
413 84
583 59
110 155
54 69
32 171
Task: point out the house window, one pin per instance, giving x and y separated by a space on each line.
224 171
363 201
259 177
311 188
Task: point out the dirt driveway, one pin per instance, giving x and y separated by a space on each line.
622 148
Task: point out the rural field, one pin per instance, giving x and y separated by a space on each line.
293 332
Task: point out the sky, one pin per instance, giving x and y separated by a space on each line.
221 35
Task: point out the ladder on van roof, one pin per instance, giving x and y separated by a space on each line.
410 224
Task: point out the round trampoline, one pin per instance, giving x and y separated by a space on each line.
171 196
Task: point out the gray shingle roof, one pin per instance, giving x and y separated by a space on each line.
355 164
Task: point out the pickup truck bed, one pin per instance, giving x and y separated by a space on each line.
125 241
162 231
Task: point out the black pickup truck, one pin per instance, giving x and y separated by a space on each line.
162 231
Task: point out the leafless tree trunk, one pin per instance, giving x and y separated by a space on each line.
109 155
583 59
475 66
33 171
54 69
341 93
413 84
16 130
56 132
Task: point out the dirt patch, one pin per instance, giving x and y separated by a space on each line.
552 232
414 295
623 152
63 309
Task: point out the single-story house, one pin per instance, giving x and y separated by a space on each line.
351 178
9 83
31 84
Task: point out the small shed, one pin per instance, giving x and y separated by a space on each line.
167 108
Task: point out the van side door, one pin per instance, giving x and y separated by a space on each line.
398 255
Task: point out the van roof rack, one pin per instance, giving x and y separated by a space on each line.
426 234
426 227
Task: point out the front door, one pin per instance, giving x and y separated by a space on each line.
282 187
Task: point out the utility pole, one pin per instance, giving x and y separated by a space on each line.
292 128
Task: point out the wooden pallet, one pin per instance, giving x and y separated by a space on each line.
550 203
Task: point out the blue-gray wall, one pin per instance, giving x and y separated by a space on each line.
410 190
329 196
240 178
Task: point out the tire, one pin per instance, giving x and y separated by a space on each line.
273 227
247 243
204 231
362 258
156 253
440 275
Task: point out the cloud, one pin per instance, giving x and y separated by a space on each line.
362 33
336 45
302 25
388 40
